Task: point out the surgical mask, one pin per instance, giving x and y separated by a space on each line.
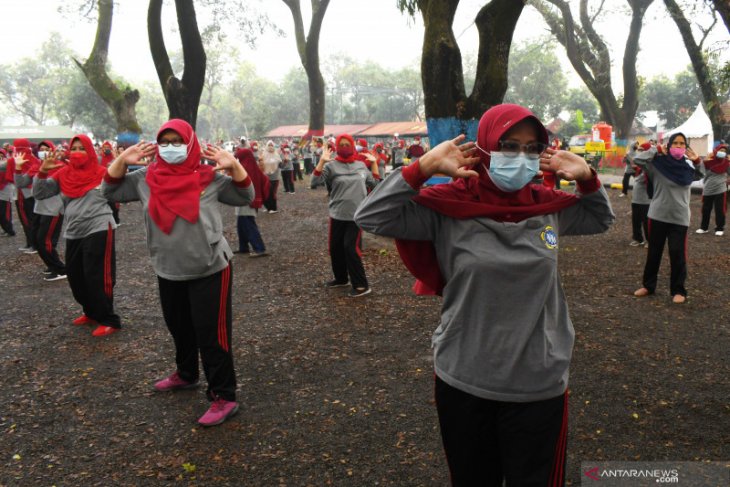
42 154
174 155
512 173
677 152
721 155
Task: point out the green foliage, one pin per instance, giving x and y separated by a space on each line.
534 81
673 99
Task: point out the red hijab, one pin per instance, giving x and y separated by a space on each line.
3 171
175 189
107 159
479 197
716 165
353 156
22 146
260 181
77 180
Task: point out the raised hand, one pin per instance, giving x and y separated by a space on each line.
451 157
223 159
692 155
137 154
20 160
567 165
50 163
326 155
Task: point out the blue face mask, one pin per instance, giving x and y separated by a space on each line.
174 155
512 173
721 154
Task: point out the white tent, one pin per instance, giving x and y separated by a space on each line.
698 129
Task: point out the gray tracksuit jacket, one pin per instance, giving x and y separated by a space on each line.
191 250
85 215
505 333
670 203
713 183
347 185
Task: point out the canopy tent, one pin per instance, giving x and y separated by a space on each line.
297 131
37 134
697 129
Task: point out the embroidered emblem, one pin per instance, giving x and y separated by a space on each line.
549 237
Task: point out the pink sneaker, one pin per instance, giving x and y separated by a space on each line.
173 383
219 411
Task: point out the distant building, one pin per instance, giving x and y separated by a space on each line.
54 133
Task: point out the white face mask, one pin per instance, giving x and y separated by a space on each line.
42 154
174 155
721 154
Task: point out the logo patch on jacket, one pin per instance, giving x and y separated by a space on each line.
549 237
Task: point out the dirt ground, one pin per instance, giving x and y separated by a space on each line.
339 391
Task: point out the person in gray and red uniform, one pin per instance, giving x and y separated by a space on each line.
22 167
415 150
180 197
89 232
715 173
347 181
488 243
7 193
669 213
49 215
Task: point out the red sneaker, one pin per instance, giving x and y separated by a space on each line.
174 382
84 320
103 330
219 411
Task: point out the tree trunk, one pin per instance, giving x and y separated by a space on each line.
442 74
589 56
707 84
182 96
723 8
496 23
308 48
121 101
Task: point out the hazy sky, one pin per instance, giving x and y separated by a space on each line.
363 29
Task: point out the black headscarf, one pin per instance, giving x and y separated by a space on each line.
676 170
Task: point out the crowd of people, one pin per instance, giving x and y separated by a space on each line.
501 359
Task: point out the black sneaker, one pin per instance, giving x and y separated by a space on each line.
47 272
54 277
335 283
356 293
240 251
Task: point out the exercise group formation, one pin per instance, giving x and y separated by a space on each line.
486 242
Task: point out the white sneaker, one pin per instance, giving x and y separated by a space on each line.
635 243
700 230
719 233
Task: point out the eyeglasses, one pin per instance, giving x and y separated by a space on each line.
511 148
167 144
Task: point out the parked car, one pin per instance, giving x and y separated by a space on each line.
577 143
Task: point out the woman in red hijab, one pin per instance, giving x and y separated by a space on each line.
89 232
22 167
49 218
248 230
715 175
488 243
107 156
7 193
347 180
180 197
